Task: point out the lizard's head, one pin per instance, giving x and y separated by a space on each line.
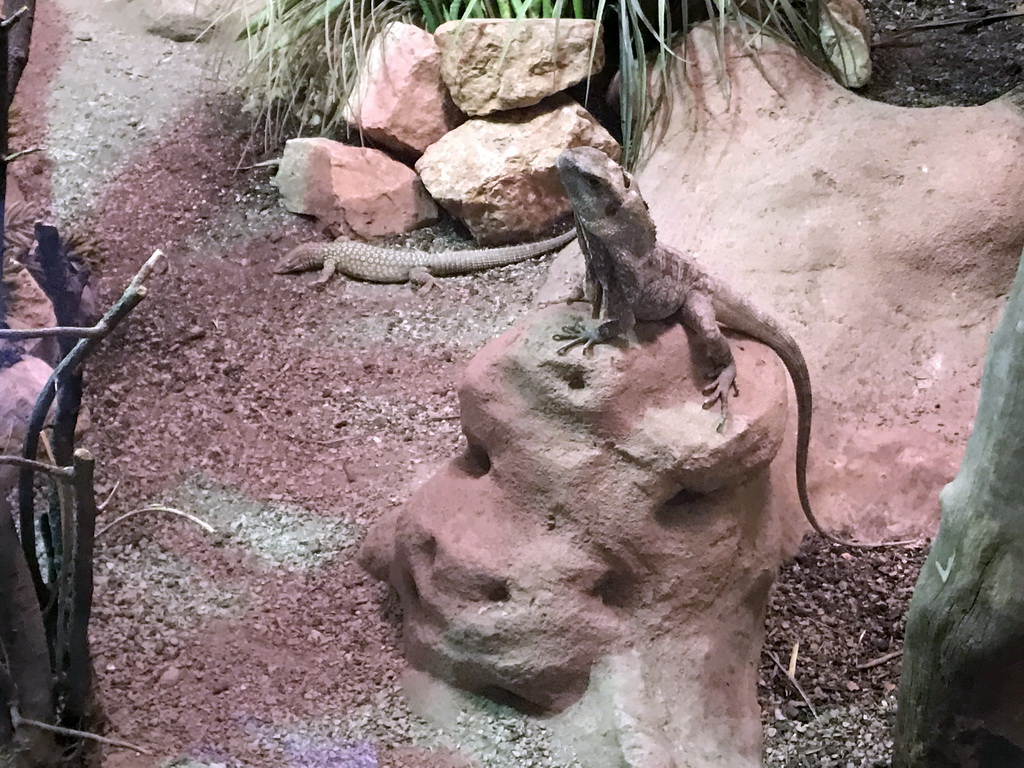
301 258
604 197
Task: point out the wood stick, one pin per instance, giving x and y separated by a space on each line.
881 660
38 466
793 682
18 720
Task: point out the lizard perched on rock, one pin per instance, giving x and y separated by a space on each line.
378 264
632 278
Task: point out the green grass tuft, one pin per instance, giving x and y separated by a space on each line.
304 55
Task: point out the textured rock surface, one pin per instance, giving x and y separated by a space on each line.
183 20
600 550
401 102
491 65
28 307
497 175
20 385
353 191
882 236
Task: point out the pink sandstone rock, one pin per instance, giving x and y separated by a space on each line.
353 191
401 102
29 307
20 385
599 546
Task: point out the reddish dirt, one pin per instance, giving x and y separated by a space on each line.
212 375
192 383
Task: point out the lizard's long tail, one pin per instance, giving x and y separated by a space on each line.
738 314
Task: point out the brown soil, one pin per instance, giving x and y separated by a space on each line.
290 416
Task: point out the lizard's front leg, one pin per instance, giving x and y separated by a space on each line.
330 267
698 313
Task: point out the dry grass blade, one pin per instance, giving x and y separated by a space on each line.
305 57
794 683
156 508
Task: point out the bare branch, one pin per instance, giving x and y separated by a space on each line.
133 294
18 721
14 334
19 40
38 466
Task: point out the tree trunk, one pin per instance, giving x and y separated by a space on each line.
19 40
961 695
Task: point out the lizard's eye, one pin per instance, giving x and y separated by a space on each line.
593 182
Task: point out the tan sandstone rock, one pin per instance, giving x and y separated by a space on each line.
400 101
490 65
183 21
600 550
354 191
883 237
497 175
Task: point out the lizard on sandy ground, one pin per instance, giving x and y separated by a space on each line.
378 264
631 278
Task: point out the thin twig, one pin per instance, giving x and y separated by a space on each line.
21 153
793 682
265 164
102 506
897 36
15 334
38 466
297 438
13 17
132 295
156 508
962 20
881 660
17 721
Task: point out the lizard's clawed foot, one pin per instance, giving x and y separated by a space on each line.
576 335
719 390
